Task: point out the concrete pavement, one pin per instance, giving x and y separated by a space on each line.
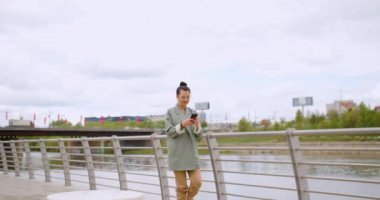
22 188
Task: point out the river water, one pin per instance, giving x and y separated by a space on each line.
366 189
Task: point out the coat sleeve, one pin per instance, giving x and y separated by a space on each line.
171 129
199 133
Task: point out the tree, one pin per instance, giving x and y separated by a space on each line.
277 126
334 119
61 124
244 125
365 115
160 124
147 124
299 119
350 118
324 124
299 116
78 125
266 123
376 119
203 124
313 120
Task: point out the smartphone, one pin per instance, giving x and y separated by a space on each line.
193 116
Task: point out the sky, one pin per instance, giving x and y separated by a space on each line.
247 58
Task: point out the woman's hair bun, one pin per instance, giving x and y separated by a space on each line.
182 84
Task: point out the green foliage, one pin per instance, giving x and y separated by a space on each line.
244 125
147 124
277 126
359 117
365 116
204 124
324 124
334 119
61 124
349 119
160 124
299 118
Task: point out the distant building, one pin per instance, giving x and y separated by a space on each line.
341 106
115 119
19 123
377 108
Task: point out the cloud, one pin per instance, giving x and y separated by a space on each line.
31 15
375 92
122 57
100 71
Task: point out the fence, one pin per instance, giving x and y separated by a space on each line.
107 162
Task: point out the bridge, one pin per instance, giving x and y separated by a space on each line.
14 133
77 162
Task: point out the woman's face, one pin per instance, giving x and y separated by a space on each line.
183 98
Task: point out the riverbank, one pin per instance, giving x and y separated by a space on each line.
338 148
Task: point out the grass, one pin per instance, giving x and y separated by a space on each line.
340 138
250 139
274 139
55 162
138 152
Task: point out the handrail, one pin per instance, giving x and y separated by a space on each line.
115 155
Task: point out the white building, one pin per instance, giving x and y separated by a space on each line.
16 123
341 106
155 118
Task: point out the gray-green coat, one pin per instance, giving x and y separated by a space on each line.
182 148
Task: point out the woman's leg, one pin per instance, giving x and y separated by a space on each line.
181 184
195 183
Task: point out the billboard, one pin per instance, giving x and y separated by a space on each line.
303 101
202 106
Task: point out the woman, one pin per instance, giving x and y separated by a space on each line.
183 134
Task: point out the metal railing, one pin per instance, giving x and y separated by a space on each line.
86 158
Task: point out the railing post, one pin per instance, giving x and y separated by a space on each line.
65 162
162 172
28 159
45 161
299 170
216 166
119 162
15 158
3 158
89 163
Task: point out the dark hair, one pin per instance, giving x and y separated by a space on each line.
182 86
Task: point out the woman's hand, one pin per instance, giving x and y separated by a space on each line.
187 122
197 122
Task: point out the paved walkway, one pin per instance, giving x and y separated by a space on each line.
22 188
